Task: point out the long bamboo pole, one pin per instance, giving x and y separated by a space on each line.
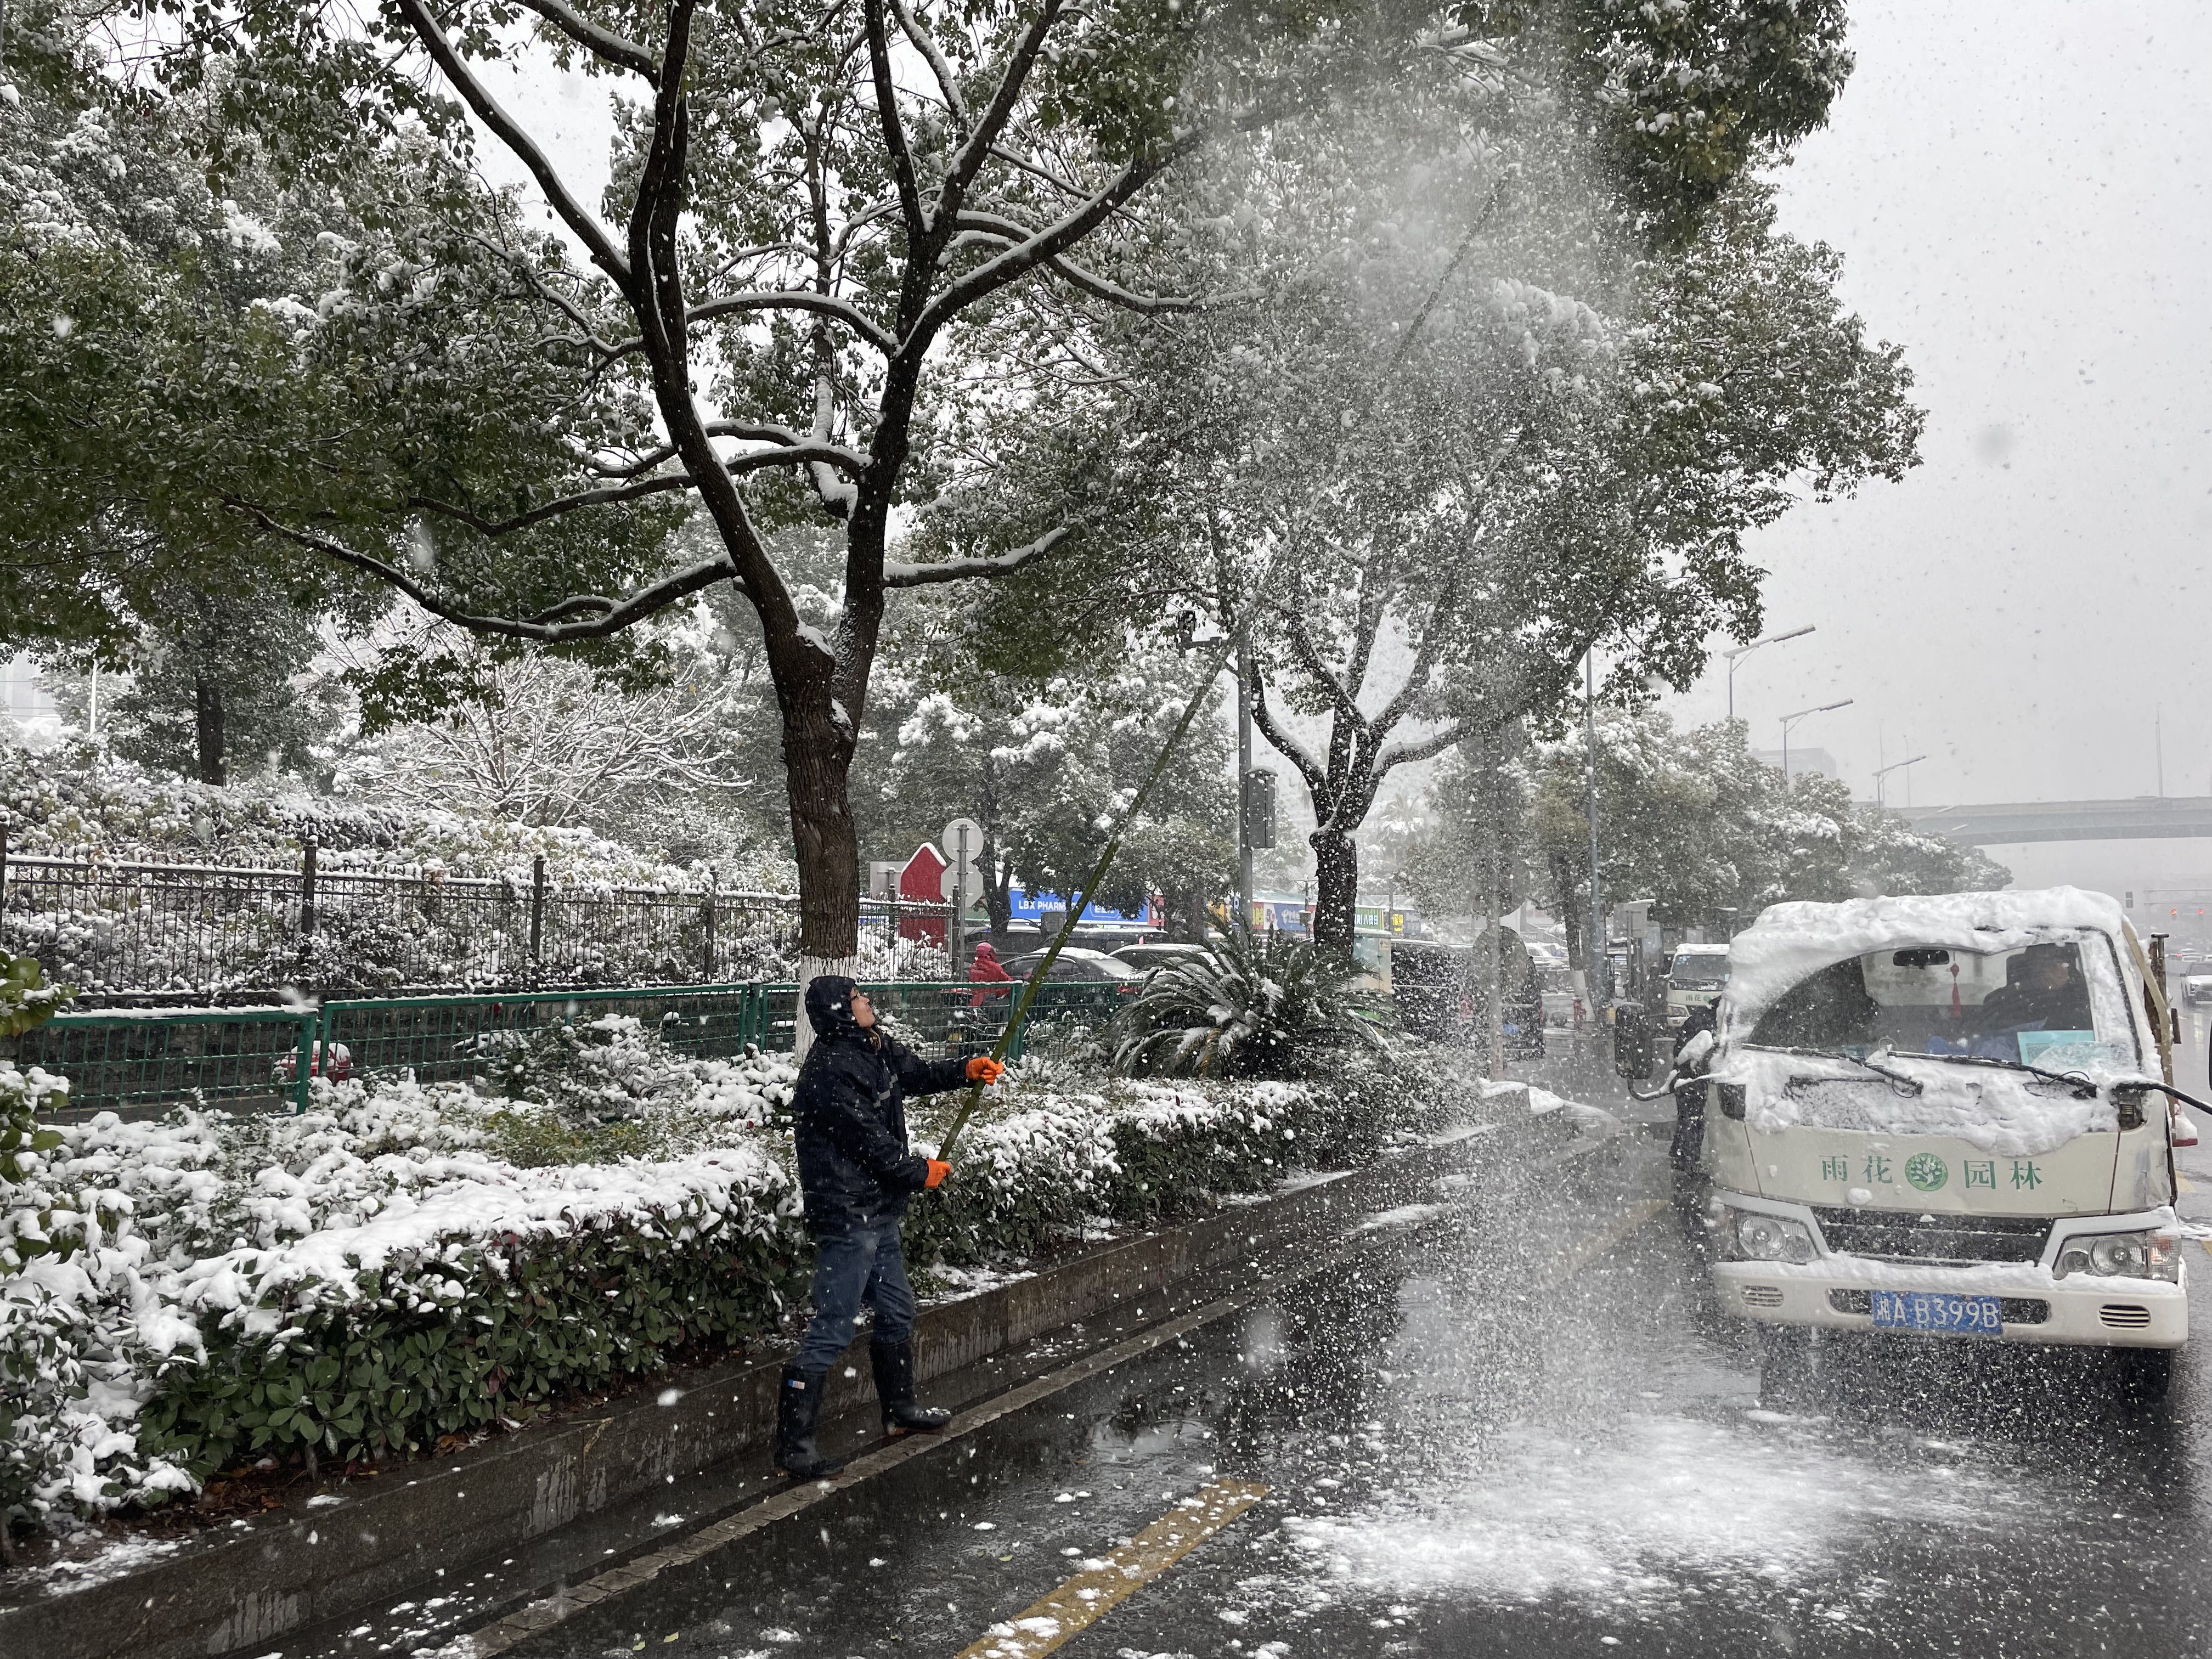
1082 901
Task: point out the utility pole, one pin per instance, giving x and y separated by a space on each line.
1882 779
1492 920
1790 721
1742 651
958 933
1598 974
1244 782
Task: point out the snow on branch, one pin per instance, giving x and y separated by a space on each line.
553 510
607 616
823 305
601 43
787 449
509 131
948 84
899 574
994 228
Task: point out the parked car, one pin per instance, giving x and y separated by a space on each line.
1441 992
1077 964
1159 953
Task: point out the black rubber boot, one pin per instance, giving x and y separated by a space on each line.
798 1405
903 1414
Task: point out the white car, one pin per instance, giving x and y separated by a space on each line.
2197 988
1946 1117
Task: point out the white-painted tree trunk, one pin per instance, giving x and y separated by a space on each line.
809 970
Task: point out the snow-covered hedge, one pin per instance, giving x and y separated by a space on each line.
407 1262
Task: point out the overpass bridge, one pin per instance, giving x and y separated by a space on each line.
2138 818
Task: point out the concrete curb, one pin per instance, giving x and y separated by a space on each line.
243 1588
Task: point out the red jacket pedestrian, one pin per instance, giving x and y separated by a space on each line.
985 969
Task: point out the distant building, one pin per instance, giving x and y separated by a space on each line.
21 694
1802 761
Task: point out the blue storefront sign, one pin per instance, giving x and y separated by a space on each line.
1027 906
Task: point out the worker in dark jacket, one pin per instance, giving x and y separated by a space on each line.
849 1121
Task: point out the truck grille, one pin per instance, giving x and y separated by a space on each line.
2125 1315
1902 1237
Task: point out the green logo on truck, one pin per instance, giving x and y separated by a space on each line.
1926 1171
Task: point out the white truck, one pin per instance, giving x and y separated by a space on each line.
1949 1117
1695 975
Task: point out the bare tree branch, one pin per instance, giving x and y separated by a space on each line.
991 227
968 160
894 130
489 110
1019 260
1420 748
897 575
1288 746
552 509
790 447
1317 667
797 299
947 84
616 615
601 43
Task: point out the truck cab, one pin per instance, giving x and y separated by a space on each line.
1695 976
1947 1117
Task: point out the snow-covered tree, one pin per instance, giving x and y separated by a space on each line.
1045 765
812 205
543 740
1691 820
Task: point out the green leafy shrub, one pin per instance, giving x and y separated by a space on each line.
1272 1006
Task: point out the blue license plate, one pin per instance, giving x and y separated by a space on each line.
1937 1311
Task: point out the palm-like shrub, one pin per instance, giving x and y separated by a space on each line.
1267 1007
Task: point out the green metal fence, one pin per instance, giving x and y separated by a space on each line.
141 1062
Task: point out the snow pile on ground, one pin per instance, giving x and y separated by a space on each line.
1634 1511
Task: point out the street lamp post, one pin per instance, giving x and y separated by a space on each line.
1742 651
1882 773
1790 720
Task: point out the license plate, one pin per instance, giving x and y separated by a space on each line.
1937 1311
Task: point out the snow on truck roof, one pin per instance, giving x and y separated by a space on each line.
1789 942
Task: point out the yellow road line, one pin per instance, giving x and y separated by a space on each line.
1626 1222
2185 1183
1090 1595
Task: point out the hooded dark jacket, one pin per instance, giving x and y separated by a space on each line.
849 1115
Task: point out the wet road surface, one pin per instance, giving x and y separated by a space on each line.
1507 1422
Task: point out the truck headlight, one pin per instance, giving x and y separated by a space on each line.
2121 1256
1754 1235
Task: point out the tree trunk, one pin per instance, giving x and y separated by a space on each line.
1566 884
818 758
1336 890
207 719
998 892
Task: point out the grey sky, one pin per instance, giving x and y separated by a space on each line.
2019 193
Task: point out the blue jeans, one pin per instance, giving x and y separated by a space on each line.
863 1265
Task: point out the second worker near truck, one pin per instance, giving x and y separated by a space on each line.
848 1116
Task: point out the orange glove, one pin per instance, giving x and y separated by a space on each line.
984 1069
939 1169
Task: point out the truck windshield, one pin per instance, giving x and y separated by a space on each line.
2050 1004
1699 973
